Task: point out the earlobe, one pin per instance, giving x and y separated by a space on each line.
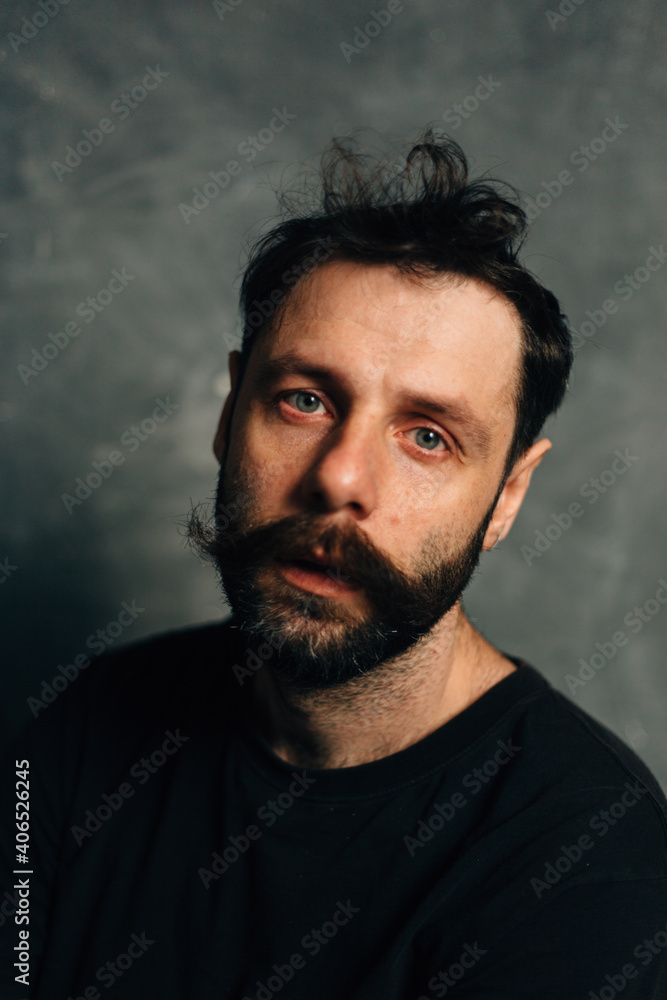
220 439
515 489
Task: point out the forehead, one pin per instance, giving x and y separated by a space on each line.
385 331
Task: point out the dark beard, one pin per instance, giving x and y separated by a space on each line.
320 642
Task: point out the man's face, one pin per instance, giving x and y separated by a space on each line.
365 457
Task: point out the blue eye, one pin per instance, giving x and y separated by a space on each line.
311 401
429 438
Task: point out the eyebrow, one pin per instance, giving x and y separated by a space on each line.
271 370
460 413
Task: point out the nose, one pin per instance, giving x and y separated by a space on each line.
344 474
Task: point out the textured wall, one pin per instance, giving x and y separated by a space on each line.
552 81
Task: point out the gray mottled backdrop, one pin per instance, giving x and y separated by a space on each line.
119 291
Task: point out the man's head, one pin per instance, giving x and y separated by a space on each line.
381 421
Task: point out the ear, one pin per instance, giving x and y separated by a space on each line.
220 439
511 498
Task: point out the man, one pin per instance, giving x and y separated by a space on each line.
344 791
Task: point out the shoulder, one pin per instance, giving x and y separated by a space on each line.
176 686
577 744
560 826
176 660
579 780
126 694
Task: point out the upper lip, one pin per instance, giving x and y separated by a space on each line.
318 560
322 561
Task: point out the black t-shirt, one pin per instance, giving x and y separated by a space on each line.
516 853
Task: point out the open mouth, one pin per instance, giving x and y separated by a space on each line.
322 578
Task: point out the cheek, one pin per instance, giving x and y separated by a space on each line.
432 500
265 469
434 520
260 474
420 486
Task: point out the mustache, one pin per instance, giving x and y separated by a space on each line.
350 552
239 553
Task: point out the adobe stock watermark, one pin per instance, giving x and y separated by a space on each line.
6 569
221 7
220 179
255 660
625 288
96 642
112 970
262 310
645 952
268 814
312 943
600 824
362 37
121 107
456 115
442 981
634 620
142 770
130 440
473 782
581 157
89 309
592 490
9 905
31 26
565 9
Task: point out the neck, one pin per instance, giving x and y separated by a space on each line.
398 704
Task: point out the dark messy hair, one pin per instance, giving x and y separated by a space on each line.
422 214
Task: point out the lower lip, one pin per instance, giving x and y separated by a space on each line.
315 580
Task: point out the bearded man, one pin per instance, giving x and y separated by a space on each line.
344 791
